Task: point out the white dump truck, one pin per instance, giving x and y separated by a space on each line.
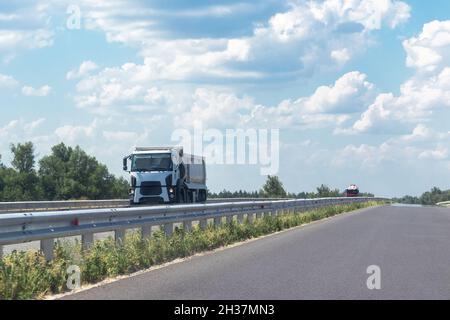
165 175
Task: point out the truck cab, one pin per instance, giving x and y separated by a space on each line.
352 191
165 175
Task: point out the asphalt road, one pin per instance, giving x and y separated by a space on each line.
325 260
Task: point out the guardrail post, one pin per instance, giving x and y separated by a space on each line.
168 229
87 240
146 232
229 219
47 248
240 218
203 224
187 226
250 217
259 215
119 235
217 221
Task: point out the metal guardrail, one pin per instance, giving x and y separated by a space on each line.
47 226
25 206
30 206
444 204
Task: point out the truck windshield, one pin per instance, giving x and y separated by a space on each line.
151 162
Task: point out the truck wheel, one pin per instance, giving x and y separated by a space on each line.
180 193
184 196
202 196
189 196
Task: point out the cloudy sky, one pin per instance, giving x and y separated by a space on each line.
360 89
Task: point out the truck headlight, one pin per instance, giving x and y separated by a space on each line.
171 190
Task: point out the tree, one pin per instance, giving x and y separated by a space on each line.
23 154
434 196
21 182
70 173
431 197
273 188
2 178
324 192
53 170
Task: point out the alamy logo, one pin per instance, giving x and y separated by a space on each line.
374 280
233 146
74 19
74 277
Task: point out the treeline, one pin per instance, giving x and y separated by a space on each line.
67 173
70 173
273 188
435 195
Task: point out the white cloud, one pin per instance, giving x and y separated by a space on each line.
364 155
210 10
116 91
20 130
421 96
119 91
430 49
74 133
84 69
8 128
418 101
25 27
7 81
422 143
341 55
370 14
440 153
348 94
12 41
8 17
327 106
39 92
340 28
117 136
30 127
213 108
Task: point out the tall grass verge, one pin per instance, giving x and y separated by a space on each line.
26 275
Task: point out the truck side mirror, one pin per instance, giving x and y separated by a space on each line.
125 167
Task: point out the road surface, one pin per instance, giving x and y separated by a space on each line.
324 260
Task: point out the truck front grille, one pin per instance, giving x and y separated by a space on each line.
151 188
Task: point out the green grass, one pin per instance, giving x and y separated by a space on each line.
26 275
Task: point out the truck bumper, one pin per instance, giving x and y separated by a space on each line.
165 197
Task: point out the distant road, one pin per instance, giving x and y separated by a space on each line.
325 260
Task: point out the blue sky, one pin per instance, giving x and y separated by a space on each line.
359 89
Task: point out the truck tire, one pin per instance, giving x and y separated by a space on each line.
202 196
189 196
181 193
185 195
